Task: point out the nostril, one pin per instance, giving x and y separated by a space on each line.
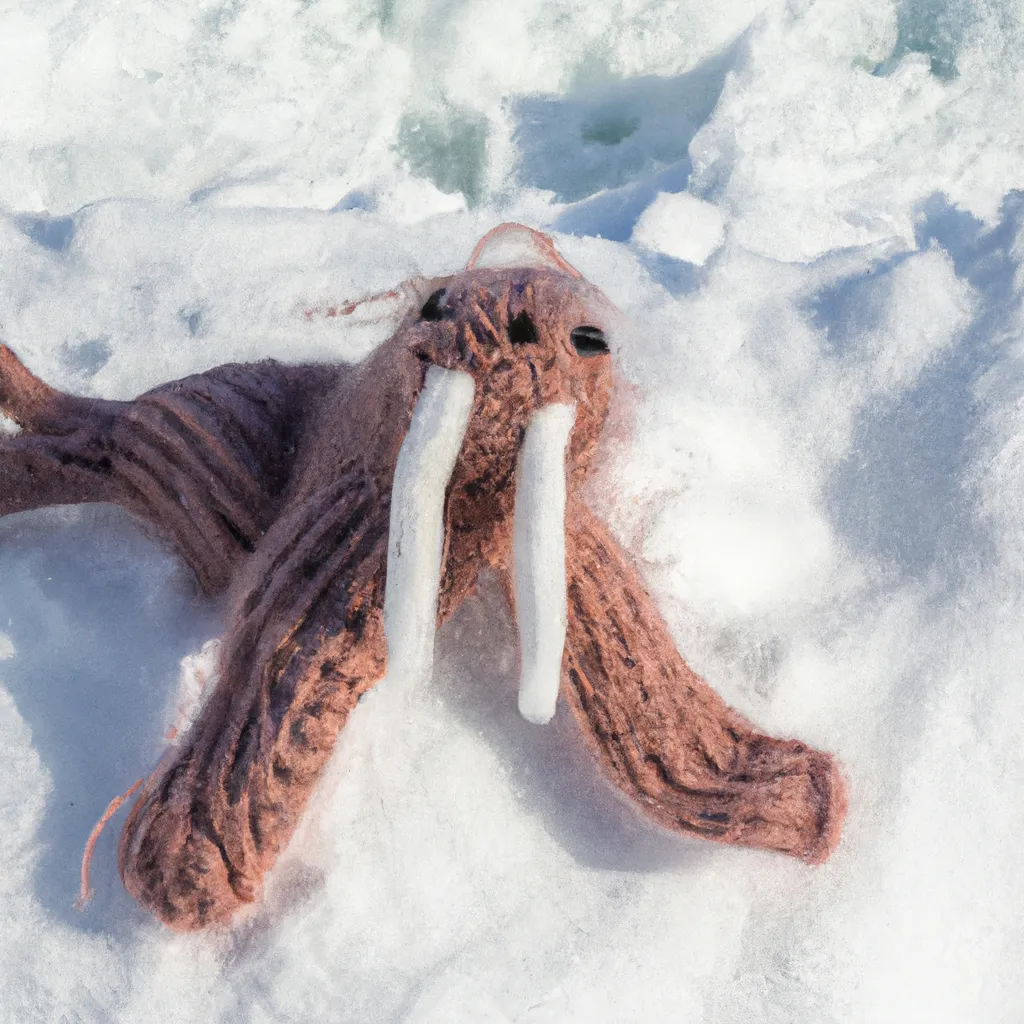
432 308
521 330
589 341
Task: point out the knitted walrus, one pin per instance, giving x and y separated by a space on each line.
346 510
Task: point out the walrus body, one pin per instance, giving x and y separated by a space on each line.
275 483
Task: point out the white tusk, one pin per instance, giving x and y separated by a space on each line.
416 539
539 556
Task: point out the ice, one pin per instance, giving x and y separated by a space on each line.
681 226
811 217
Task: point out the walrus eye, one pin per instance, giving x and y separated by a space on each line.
432 308
589 341
521 330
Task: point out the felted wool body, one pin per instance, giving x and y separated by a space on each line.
275 482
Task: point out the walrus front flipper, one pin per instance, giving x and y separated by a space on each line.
664 737
307 641
204 459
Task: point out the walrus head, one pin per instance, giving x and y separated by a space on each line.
517 382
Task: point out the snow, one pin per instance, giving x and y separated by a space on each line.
681 226
197 679
816 459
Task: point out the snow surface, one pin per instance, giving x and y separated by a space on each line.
681 226
817 460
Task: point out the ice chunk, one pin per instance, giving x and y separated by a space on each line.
681 226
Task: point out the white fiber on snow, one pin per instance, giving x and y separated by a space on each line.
812 215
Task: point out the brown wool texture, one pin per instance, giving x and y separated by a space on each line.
273 483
